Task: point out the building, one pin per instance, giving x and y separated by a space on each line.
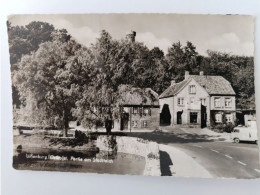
141 109
199 100
244 116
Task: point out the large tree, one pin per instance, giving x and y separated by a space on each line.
45 77
22 41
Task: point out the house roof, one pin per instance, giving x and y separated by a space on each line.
173 90
130 95
214 85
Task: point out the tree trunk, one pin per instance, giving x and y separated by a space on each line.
108 125
65 124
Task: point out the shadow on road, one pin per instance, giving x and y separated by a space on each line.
171 137
165 162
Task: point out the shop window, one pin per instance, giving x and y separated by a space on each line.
193 117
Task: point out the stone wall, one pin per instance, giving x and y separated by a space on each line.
132 145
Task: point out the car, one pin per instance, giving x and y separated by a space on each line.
248 133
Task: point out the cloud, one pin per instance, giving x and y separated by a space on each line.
230 43
83 34
151 41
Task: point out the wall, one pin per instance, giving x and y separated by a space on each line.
249 117
153 120
222 103
137 146
191 107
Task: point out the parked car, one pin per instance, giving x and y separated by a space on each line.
248 133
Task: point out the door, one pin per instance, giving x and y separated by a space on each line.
203 116
124 121
179 118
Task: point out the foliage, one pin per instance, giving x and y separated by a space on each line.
73 142
224 127
57 80
80 136
42 81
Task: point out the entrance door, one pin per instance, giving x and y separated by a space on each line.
165 115
203 116
179 118
124 121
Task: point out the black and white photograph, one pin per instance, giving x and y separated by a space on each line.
134 94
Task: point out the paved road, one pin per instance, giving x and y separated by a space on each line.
223 159
219 158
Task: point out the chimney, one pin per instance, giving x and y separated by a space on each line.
131 36
201 73
187 74
173 82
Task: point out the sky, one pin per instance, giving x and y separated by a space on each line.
225 33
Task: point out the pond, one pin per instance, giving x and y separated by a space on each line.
78 161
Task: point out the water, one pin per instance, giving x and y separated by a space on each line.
78 161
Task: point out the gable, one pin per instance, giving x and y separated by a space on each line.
199 90
173 90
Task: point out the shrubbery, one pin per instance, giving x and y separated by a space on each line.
79 140
224 127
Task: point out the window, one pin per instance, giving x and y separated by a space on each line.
144 123
181 101
193 117
218 118
217 102
192 89
203 101
134 123
192 100
135 110
141 110
228 102
228 118
147 111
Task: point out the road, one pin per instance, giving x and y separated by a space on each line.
222 159
219 158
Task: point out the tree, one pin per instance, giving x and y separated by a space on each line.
98 99
43 76
24 40
239 71
113 63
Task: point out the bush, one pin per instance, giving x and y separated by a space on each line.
153 156
80 136
224 127
229 127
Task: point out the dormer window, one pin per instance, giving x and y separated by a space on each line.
192 89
